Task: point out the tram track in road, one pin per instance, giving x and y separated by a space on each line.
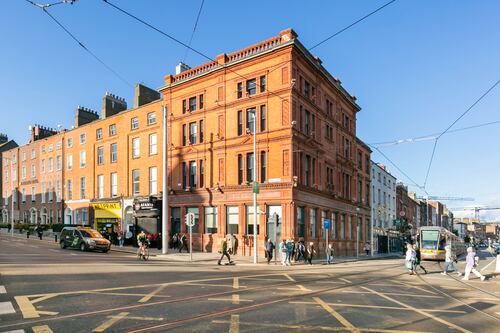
211 295
237 310
448 295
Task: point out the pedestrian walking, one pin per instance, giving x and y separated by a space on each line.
283 250
410 259
39 231
183 243
367 248
223 250
269 248
470 265
120 238
449 258
310 252
418 261
329 254
293 254
289 252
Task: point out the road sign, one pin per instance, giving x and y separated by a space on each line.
255 188
326 224
402 213
190 219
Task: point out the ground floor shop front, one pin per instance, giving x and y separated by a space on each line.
300 215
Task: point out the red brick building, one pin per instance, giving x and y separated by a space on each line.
310 164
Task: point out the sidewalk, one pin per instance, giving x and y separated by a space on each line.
206 257
212 258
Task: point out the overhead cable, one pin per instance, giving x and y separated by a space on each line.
44 8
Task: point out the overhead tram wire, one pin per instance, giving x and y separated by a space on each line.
430 136
44 8
189 47
351 25
399 169
194 29
452 124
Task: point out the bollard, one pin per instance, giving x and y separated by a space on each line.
55 237
27 234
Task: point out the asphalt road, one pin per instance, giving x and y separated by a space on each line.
52 290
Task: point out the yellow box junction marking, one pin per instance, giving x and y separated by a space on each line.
108 323
41 329
335 314
234 326
424 313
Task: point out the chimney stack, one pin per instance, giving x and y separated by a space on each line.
112 104
181 67
144 95
39 132
84 116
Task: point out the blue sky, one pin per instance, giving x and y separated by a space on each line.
415 66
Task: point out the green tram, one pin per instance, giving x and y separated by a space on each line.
432 241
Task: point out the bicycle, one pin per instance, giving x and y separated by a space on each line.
143 251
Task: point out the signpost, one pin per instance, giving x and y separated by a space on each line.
326 226
190 220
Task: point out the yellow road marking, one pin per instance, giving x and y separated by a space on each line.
108 323
151 294
50 313
234 326
41 329
139 318
236 283
301 287
312 328
393 294
27 309
415 287
39 299
126 294
335 314
377 307
235 299
424 313
289 277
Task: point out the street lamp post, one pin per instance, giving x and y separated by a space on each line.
254 187
357 232
164 199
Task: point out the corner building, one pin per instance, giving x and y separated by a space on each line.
310 164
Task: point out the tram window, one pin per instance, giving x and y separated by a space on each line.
429 239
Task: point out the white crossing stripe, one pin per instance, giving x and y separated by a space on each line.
6 308
16 331
2 290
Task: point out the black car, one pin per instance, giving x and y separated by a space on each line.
83 239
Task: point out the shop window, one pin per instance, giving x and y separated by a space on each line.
250 220
300 222
232 220
312 223
210 220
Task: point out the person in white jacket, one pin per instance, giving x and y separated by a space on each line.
470 265
449 258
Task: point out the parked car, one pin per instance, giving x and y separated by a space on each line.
83 239
497 249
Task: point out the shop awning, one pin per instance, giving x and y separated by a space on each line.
107 210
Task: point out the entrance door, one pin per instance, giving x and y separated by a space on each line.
382 244
270 226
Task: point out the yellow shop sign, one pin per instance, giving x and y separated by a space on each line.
107 210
